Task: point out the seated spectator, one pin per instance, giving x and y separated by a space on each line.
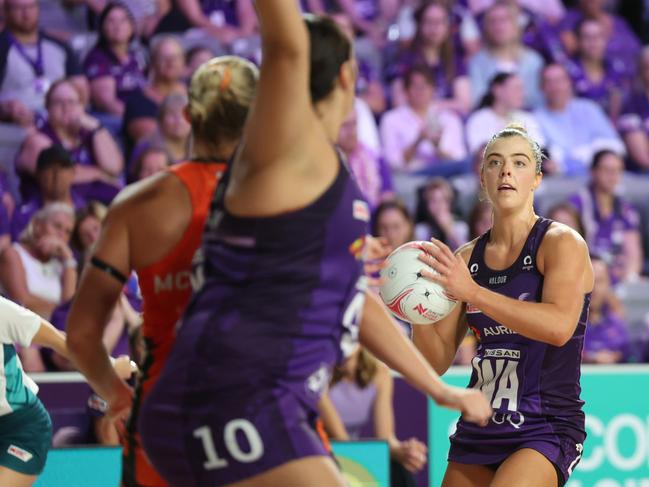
173 129
371 173
371 19
538 20
86 230
501 105
574 128
611 223
98 159
634 120
607 337
550 10
369 83
434 46
419 135
151 160
115 69
567 214
621 42
196 56
360 395
42 269
30 61
437 220
167 69
224 21
392 221
54 176
604 80
480 219
504 52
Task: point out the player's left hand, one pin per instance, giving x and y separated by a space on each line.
451 271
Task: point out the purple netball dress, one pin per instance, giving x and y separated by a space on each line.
278 308
533 387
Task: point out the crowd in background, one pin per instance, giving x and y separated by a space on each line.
94 92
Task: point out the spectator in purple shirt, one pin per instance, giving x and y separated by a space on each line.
434 46
113 67
607 337
223 20
621 42
371 18
595 76
99 161
54 176
634 120
610 223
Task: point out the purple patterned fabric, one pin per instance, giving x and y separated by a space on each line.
260 337
615 82
128 76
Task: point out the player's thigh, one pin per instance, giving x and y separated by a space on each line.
306 472
526 468
465 475
11 478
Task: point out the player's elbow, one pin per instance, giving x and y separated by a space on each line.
560 336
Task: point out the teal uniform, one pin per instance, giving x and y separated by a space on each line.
25 425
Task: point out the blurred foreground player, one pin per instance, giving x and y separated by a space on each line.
284 290
155 227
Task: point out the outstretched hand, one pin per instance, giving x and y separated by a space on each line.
376 251
451 271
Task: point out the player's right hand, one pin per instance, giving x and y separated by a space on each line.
471 403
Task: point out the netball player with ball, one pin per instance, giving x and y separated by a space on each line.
525 288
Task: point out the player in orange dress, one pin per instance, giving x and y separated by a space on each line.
154 227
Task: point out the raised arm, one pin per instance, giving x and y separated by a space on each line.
282 112
563 259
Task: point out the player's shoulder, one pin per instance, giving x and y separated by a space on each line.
562 236
559 243
466 250
147 195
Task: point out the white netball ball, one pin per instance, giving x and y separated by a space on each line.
408 295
